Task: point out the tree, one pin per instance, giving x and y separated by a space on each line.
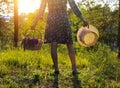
6 24
15 23
118 38
6 8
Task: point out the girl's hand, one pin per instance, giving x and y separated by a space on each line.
33 26
40 17
86 24
84 21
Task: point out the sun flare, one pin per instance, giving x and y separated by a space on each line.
27 6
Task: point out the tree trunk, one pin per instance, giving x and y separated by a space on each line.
119 41
15 22
119 35
119 44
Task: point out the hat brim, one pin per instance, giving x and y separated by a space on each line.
91 28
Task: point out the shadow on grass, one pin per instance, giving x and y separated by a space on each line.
76 81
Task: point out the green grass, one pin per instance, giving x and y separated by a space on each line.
99 68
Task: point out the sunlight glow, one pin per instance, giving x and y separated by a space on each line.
27 6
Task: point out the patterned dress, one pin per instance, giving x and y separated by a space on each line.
57 23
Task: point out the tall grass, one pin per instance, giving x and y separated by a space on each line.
98 65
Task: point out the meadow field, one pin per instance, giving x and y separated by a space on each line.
99 67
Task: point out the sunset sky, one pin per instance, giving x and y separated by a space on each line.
27 6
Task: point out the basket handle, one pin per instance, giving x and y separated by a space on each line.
25 33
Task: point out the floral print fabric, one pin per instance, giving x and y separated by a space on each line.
57 24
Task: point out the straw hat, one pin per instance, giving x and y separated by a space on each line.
87 36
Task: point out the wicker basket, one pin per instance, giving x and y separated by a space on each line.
33 43
87 36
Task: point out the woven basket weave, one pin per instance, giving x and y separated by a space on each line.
33 43
87 36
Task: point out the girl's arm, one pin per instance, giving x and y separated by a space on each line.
40 13
77 11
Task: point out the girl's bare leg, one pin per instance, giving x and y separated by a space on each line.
71 52
54 56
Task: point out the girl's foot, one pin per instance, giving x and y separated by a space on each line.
75 72
56 72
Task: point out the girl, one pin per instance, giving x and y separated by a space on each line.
58 30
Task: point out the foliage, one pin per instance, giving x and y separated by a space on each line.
105 19
98 65
99 68
6 34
